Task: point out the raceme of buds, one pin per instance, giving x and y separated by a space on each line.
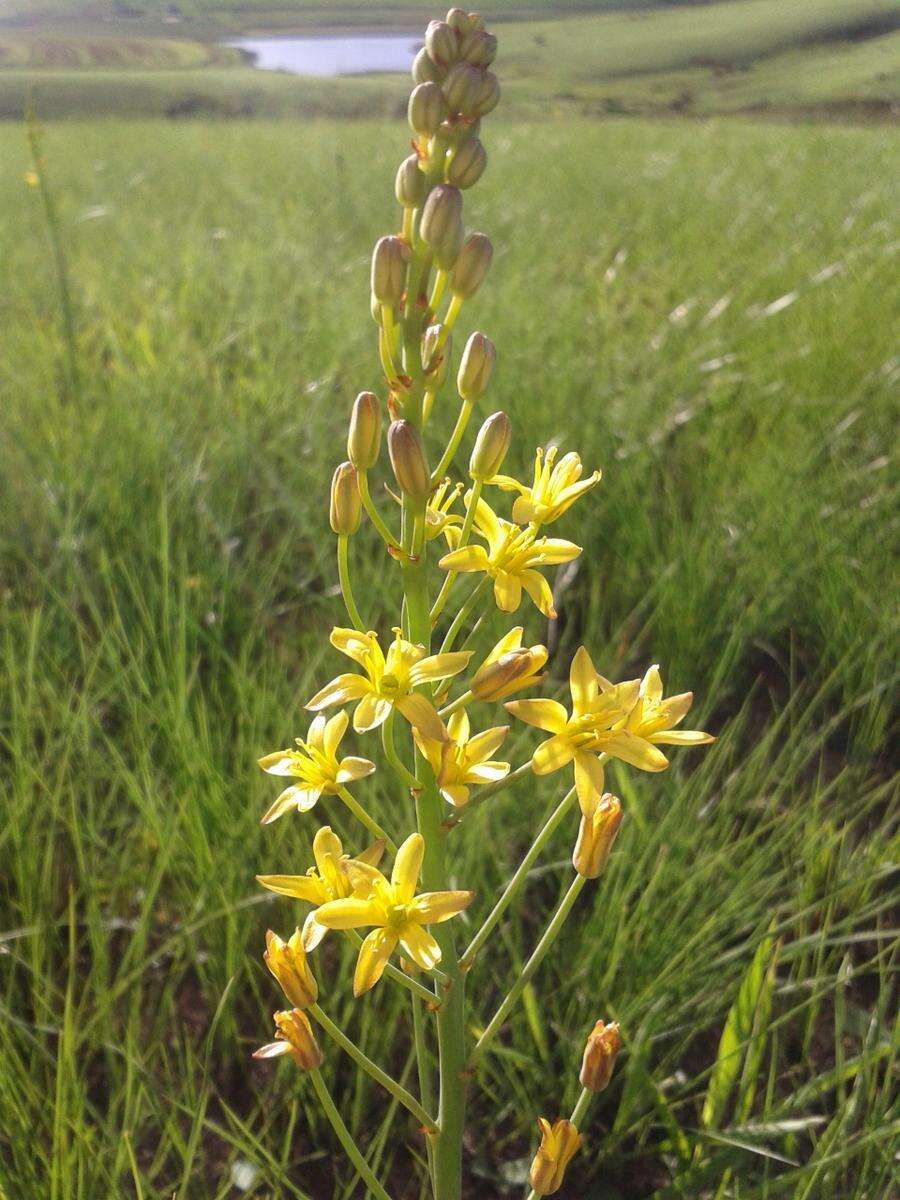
287 962
471 265
559 1143
408 460
509 673
389 259
441 216
476 367
345 500
468 164
441 43
462 88
364 438
409 186
436 357
427 108
599 1057
490 447
596 834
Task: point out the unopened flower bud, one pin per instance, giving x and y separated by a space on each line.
409 185
600 1056
476 20
479 48
440 42
436 357
458 20
287 962
559 1143
446 254
345 500
488 95
296 1032
476 367
408 460
364 437
389 259
600 821
467 164
511 672
425 70
491 446
427 108
471 265
441 216
462 88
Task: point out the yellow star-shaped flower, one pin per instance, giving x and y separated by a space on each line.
651 723
556 487
463 760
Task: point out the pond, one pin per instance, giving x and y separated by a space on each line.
338 54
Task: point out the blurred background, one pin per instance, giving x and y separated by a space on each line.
693 209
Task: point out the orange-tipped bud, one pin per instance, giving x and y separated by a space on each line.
599 1058
409 185
441 217
408 460
440 43
296 1038
345 507
596 834
389 259
364 438
476 367
287 962
490 447
559 1143
471 265
427 108
468 164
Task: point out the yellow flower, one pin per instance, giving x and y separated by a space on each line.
438 517
315 766
328 880
389 681
296 1038
511 560
597 706
556 487
286 961
396 913
652 720
559 1143
463 760
509 668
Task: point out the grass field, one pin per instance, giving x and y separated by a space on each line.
705 310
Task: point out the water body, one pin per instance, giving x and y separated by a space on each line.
338 54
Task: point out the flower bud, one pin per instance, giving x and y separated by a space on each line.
476 367
490 447
424 70
476 20
479 48
441 216
447 253
389 259
559 1142
511 670
427 108
462 87
467 164
596 834
409 185
408 460
600 1056
345 500
295 1030
488 95
436 358
364 438
471 265
440 42
458 20
288 964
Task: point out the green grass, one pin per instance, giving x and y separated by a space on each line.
705 310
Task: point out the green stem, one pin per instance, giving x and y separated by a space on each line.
454 705
390 753
456 437
515 884
464 613
489 790
363 817
346 1138
423 1066
346 589
372 512
440 282
362 1060
550 935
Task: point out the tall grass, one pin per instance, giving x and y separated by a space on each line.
714 331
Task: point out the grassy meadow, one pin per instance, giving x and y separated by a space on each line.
704 310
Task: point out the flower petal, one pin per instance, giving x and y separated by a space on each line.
281 762
354 768
312 934
339 691
467 558
588 780
327 848
316 730
371 712
333 732
407 865
421 713
488 772
374 953
299 887
434 907
539 590
483 745
634 750
439 666
356 645
682 737
544 714
420 946
582 682
507 591
349 913
272 1050
553 754
556 550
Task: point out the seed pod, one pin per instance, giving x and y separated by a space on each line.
389 259
488 95
436 359
424 70
596 834
600 1056
427 108
467 164
345 500
441 216
462 88
364 438
440 42
479 48
472 265
408 460
476 367
409 186
490 447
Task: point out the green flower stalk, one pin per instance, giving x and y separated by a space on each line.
432 702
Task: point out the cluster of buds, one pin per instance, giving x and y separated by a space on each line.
425 684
